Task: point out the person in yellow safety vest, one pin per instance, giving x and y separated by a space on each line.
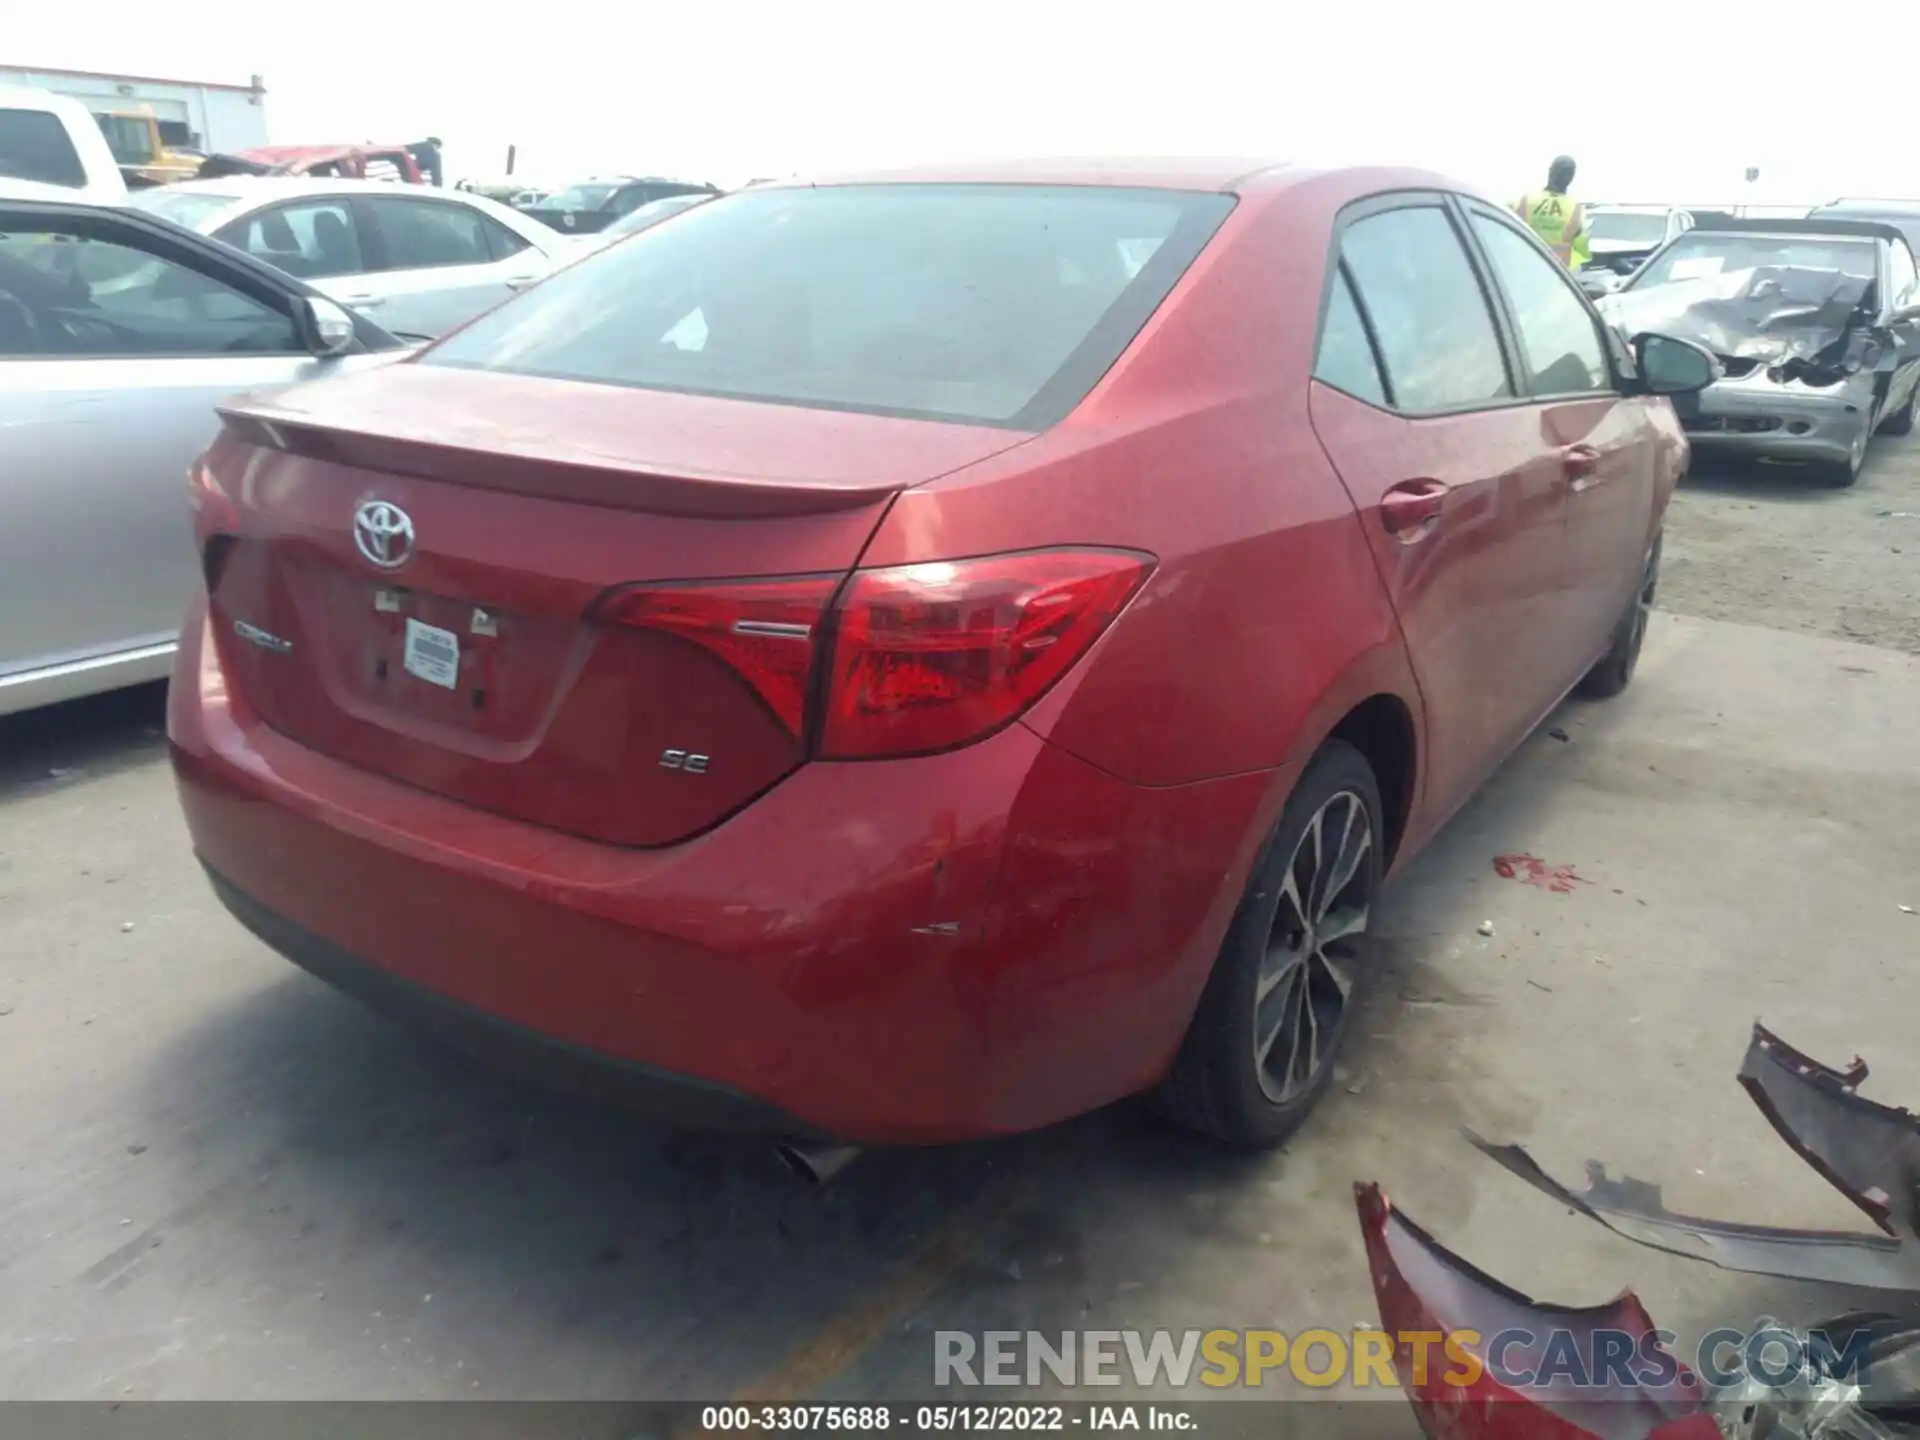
1561 222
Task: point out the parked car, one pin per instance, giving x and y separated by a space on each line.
51 142
925 657
646 217
593 205
1621 237
107 396
1904 215
1816 323
424 259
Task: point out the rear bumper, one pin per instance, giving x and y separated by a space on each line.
927 950
659 1093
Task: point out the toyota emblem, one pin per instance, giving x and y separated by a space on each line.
383 533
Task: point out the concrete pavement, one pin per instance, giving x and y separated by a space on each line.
220 1180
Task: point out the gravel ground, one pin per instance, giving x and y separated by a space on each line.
1762 545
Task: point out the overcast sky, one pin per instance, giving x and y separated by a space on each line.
1668 100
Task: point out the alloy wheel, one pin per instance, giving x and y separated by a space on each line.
1307 973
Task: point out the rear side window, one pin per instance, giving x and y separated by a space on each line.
982 303
34 145
501 242
1429 314
1346 360
1560 337
422 235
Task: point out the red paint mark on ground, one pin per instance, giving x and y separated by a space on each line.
1532 870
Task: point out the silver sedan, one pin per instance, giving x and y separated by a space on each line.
119 333
417 259
1816 324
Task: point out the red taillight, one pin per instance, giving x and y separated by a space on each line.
764 629
927 657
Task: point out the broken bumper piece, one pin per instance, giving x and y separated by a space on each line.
1868 1152
1480 1361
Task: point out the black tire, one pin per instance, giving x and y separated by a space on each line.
1900 422
1219 1086
1839 474
1614 672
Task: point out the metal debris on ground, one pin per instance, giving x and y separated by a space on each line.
1808 1406
1869 1152
1853 1377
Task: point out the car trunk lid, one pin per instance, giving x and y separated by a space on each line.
418 579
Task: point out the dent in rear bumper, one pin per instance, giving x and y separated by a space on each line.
962 945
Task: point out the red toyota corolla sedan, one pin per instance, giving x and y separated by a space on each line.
923 656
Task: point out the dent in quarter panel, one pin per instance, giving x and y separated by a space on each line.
1114 900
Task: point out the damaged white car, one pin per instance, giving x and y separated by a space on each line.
1816 324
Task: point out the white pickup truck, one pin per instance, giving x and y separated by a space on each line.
51 148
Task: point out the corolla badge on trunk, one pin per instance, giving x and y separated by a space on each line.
266 640
383 532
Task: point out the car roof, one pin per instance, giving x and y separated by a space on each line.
1219 174
1872 207
27 97
276 187
1836 228
629 180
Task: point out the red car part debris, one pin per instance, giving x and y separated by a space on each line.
1532 870
1425 1289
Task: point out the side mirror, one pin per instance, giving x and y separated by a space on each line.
1669 366
328 329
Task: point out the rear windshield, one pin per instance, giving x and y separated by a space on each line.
34 146
988 304
1627 227
579 197
1699 253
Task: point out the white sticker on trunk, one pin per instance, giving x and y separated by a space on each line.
433 654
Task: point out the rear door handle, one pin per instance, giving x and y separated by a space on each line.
1581 464
520 282
1410 510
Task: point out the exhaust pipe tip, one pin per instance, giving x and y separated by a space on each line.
817 1164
